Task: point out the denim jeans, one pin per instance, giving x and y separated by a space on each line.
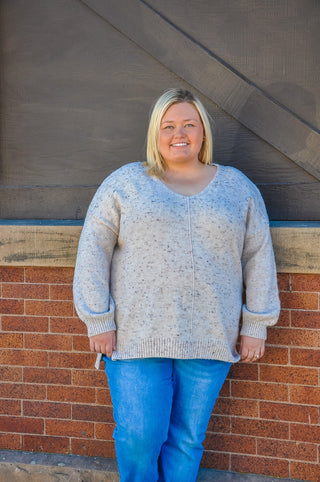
162 408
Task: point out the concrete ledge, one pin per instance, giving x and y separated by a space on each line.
19 466
54 243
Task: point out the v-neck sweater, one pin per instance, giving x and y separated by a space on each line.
168 271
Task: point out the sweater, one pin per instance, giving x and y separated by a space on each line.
168 271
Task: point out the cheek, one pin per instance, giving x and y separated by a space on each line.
162 141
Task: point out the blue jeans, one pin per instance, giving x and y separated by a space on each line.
162 408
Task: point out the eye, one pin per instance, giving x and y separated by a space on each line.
168 127
189 125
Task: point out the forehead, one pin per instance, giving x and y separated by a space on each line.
183 110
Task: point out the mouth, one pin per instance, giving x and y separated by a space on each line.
179 144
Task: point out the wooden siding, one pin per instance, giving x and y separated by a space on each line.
79 78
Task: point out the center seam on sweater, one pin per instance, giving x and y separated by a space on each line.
192 261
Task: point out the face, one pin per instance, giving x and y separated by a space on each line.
180 135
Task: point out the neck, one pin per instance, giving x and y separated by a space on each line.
186 170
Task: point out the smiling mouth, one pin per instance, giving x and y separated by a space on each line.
179 144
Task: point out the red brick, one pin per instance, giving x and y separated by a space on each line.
47 375
89 378
10 374
289 412
49 275
260 465
59 445
243 371
23 391
74 360
230 406
23 358
305 395
294 336
299 301
226 389
25 291
25 323
287 450
215 460
46 409
304 357
260 391
260 428
69 428
70 394
10 441
95 413
11 274
81 343
10 407
219 424
61 292
68 325
230 443
93 448
310 472
291 375
49 308
305 433
11 306
283 282
284 318
103 396
305 319
48 342
11 340
305 282
104 431
276 355
21 425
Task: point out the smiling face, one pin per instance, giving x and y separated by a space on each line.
181 135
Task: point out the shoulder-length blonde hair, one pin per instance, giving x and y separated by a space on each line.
155 162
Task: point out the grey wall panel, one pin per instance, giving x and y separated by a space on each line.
76 91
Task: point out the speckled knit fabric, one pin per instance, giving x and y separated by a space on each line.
167 270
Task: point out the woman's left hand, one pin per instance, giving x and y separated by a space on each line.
251 349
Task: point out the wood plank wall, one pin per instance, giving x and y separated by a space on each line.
79 78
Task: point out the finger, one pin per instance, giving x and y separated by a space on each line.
114 342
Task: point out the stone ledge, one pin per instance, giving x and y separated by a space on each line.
16 466
54 243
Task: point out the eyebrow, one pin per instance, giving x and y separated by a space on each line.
184 120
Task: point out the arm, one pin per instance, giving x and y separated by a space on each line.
260 282
91 287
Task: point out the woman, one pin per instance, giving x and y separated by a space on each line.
166 249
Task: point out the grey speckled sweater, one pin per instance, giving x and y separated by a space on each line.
167 271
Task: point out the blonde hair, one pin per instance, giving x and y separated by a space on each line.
155 162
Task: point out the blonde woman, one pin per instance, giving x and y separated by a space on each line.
167 249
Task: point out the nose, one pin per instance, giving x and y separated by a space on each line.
180 131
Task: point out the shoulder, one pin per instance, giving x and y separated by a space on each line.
124 174
238 181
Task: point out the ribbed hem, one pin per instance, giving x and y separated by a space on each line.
172 348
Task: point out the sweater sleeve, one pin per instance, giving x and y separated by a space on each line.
262 305
91 286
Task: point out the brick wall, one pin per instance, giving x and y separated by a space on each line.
266 420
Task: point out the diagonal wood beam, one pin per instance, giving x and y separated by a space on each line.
195 64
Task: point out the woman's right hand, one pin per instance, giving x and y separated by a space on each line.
104 343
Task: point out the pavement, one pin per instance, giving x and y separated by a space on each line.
17 466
